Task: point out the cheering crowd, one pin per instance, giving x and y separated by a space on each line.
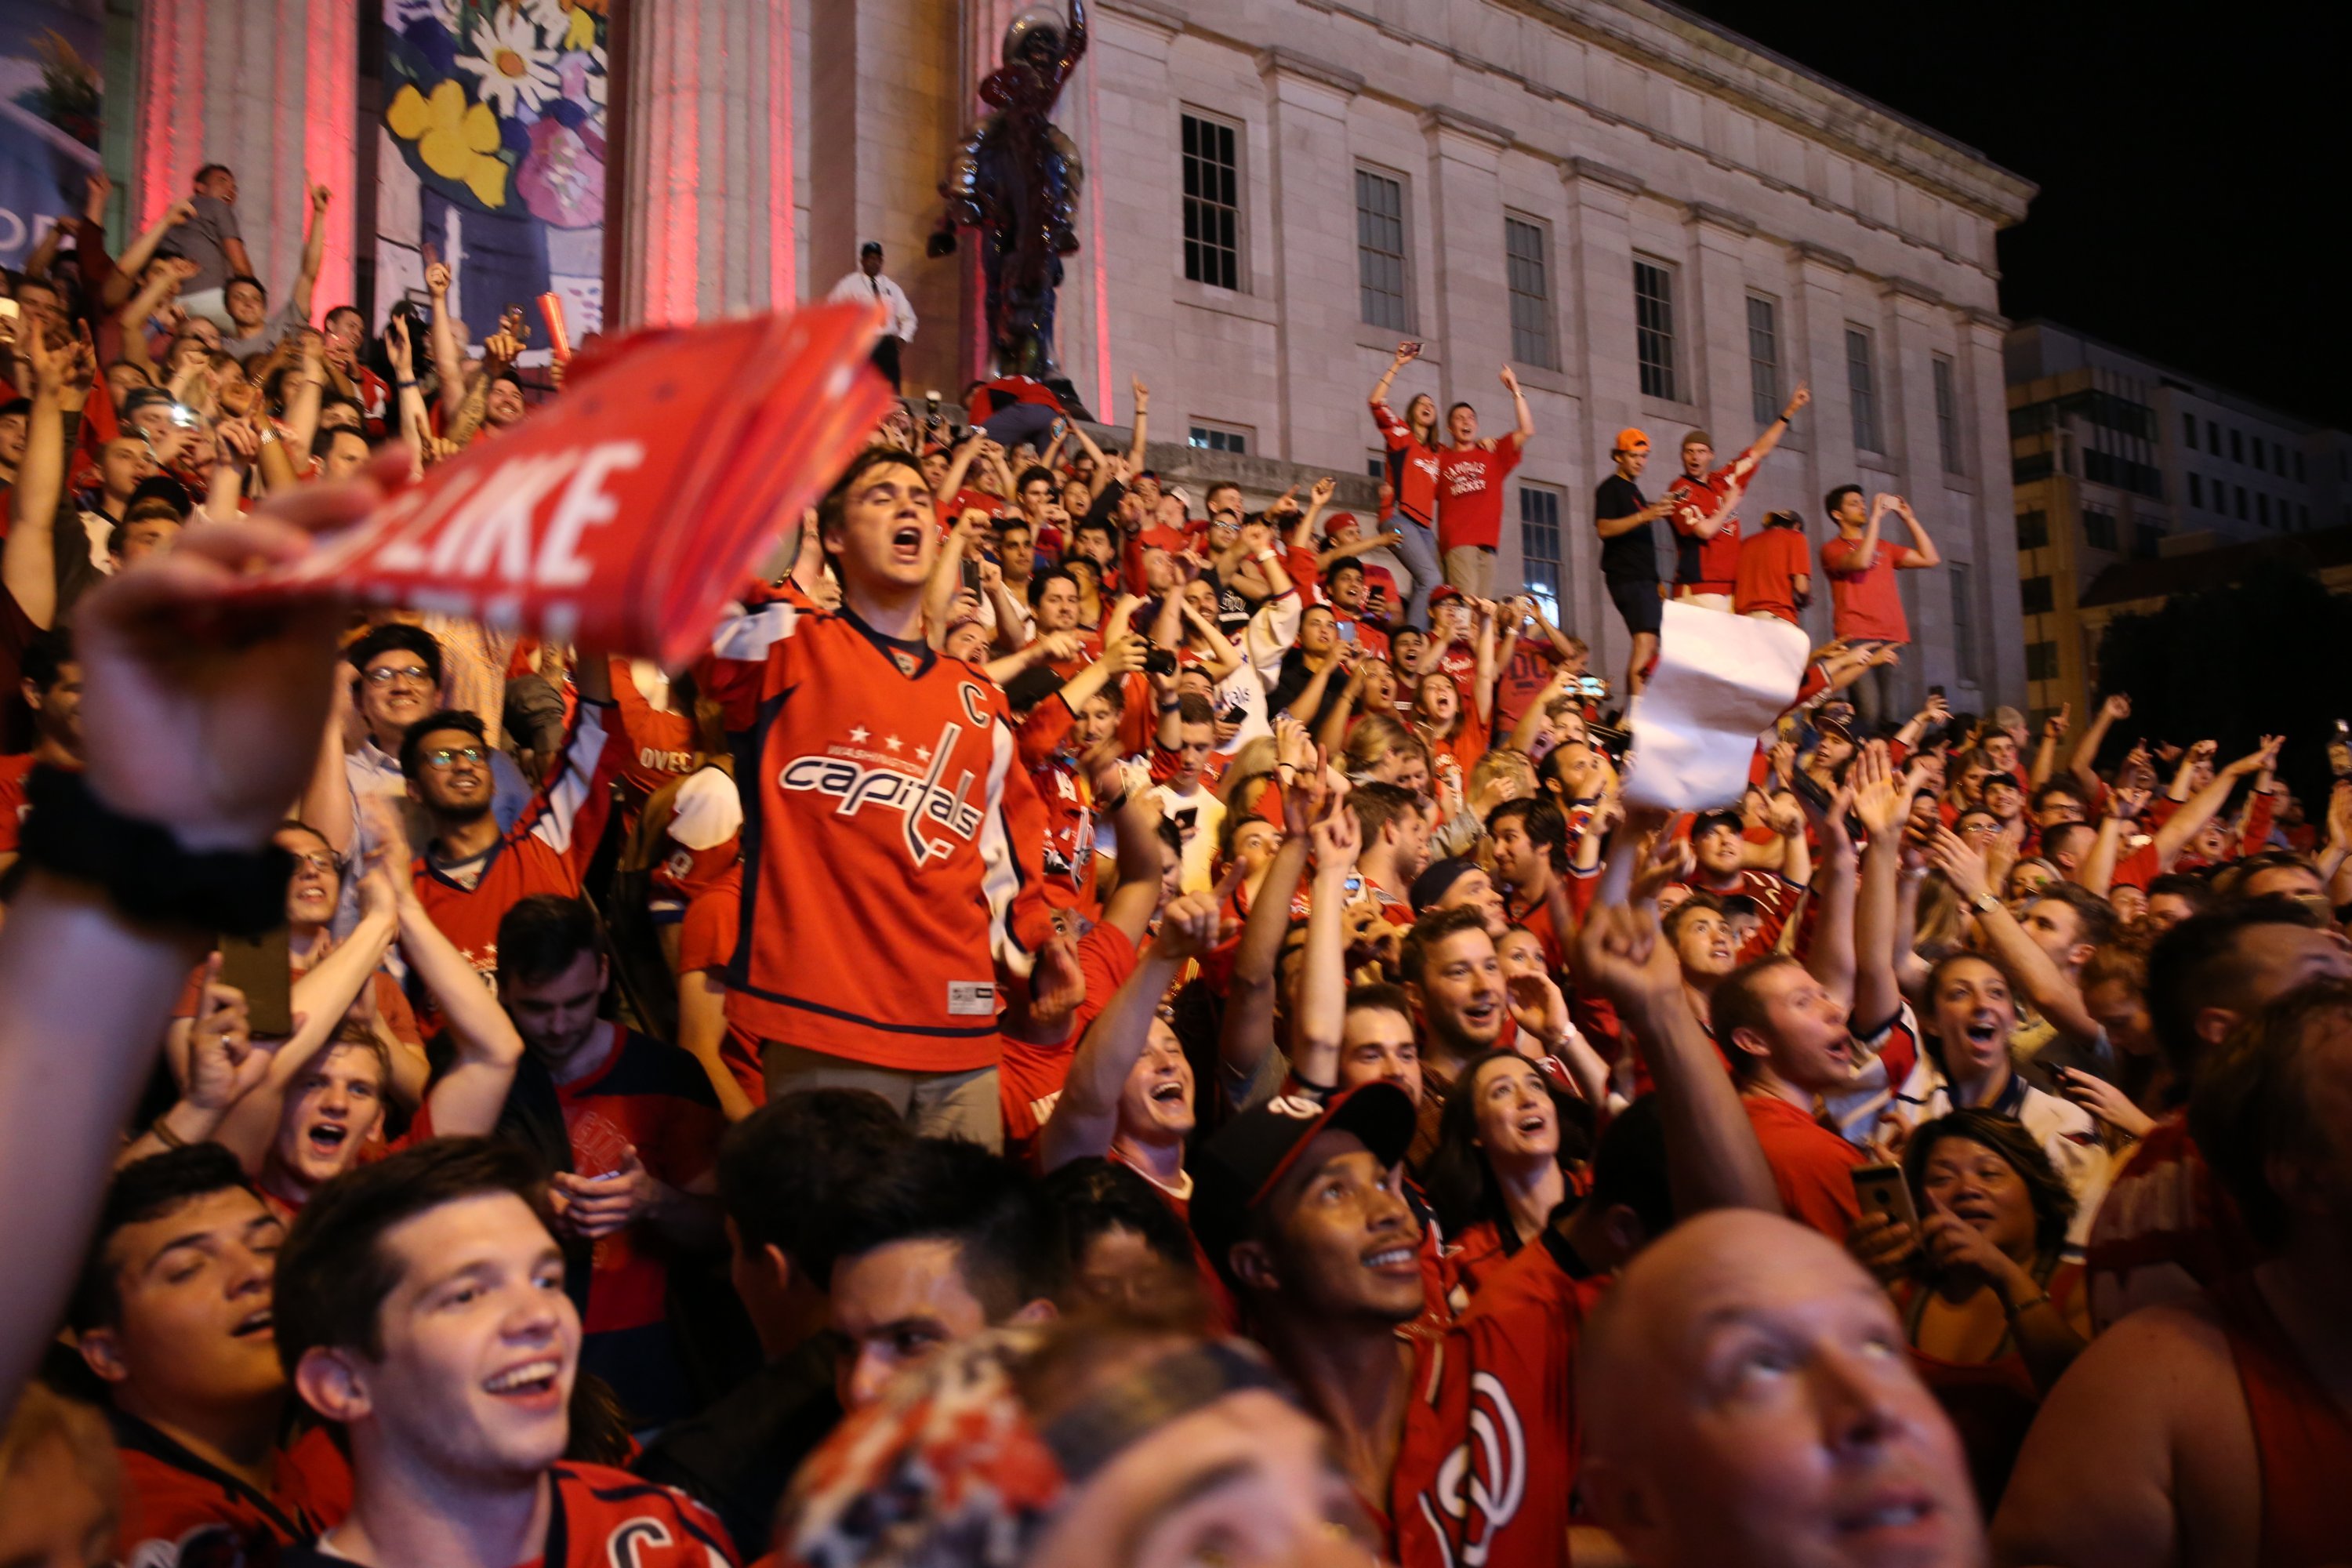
1099 1024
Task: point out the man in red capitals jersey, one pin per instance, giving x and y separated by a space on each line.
1470 474
1465 1442
422 1310
1719 849
640 1127
885 813
1707 530
471 874
172 1314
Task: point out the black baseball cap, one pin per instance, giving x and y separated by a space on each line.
1707 822
1235 1171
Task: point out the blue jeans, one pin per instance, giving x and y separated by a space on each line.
1418 551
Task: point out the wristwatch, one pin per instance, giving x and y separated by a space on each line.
1984 903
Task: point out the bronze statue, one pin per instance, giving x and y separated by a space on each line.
1014 178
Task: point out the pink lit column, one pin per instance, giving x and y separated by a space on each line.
271 89
705 205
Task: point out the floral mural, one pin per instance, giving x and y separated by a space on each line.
497 111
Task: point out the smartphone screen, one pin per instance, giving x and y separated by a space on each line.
1347 631
1882 1191
262 969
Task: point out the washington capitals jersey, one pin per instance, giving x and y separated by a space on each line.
892 842
604 1517
546 851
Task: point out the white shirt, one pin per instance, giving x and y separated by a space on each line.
898 316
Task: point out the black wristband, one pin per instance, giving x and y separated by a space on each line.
142 867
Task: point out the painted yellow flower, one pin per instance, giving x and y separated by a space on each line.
455 138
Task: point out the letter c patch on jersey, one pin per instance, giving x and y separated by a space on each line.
622 1548
1481 1484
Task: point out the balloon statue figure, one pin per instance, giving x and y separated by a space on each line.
1014 178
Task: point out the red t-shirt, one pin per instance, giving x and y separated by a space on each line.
1866 606
1412 466
1768 563
14 808
1489 1456
706 940
1463 665
656 1099
1470 493
1530 671
1029 1078
1810 1165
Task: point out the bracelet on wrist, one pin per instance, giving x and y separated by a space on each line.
2017 1308
144 869
1110 804
161 1128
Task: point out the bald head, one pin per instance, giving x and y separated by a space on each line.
1747 1398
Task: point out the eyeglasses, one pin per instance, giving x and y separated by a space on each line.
314 862
416 674
448 757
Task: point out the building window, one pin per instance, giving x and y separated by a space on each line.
2298 468
2242 502
2034 597
1528 260
2237 446
1964 620
2042 661
2302 518
1213 203
1379 251
2189 430
1948 415
2147 541
1233 438
1376 466
2212 437
2033 529
2098 527
1862 390
2260 461
1653 328
2196 490
1763 359
2261 508
1540 511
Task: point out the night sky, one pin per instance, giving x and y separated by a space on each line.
2193 161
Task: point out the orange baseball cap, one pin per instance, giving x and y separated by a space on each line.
1631 440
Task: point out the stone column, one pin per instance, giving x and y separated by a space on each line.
1597 268
2001 643
1815 337
1719 336
268 88
705 206
1312 189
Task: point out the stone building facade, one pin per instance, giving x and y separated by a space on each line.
1656 222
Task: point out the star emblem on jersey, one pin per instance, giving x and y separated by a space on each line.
858 733
894 743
